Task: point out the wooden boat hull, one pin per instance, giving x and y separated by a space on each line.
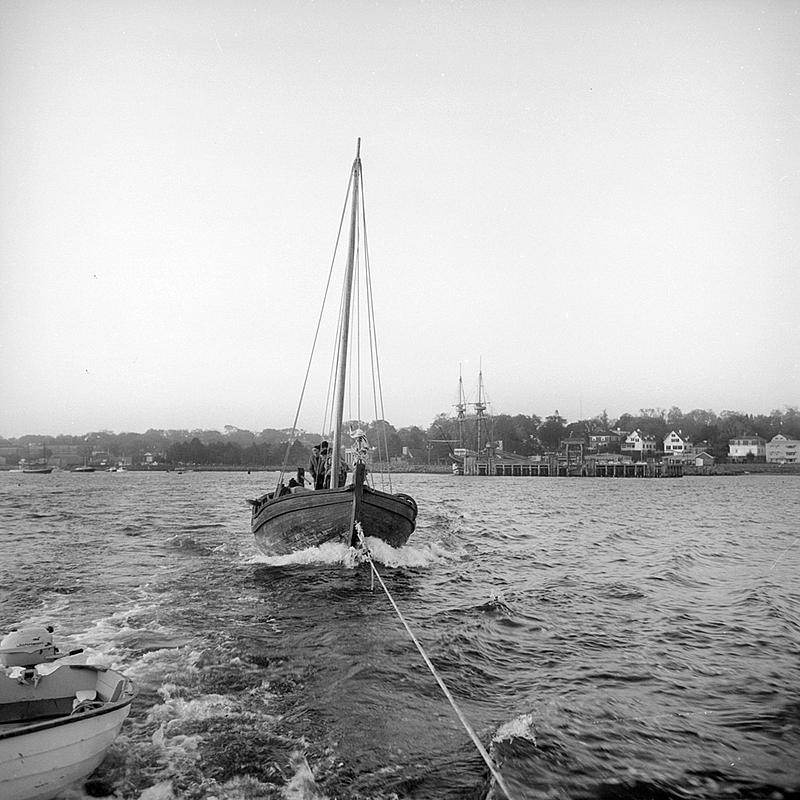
308 519
42 755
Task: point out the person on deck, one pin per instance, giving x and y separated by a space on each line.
343 470
316 467
324 464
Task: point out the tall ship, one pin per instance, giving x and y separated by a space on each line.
475 452
476 449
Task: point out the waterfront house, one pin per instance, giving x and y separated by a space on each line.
744 447
690 458
639 443
604 442
782 450
676 442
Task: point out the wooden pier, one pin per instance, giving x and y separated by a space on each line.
559 466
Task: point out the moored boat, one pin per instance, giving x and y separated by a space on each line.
37 469
296 518
57 718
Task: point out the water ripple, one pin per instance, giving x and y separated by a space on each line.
607 639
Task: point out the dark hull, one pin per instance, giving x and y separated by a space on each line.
308 519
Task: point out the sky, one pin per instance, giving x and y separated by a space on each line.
597 204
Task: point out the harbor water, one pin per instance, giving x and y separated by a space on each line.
605 638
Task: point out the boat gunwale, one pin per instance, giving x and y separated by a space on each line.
68 719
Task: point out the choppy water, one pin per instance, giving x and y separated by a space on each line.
606 638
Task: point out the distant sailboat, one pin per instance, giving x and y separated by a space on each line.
37 469
40 467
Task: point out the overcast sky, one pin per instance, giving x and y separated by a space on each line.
598 201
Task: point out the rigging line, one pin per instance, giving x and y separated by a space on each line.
373 349
330 407
383 443
475 740
354 342
382 452
330 399
373 344
316 335
336 362
370 326
352 349
358 301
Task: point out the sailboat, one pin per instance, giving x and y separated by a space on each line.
87 467
37 469
40 467
287 520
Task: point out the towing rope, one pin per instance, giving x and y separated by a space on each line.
475 740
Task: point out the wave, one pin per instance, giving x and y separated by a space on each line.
188 544
521 727
342 554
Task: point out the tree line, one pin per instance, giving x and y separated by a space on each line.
519 433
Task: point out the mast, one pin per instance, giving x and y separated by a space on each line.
345 322
461 409
480 407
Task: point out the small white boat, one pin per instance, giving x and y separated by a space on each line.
57 720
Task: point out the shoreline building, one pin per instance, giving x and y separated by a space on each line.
782 450
676 443
743 447
639 444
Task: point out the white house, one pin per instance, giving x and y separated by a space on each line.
743 446
676 442
780 450
639 442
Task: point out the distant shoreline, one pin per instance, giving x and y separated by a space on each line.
730 470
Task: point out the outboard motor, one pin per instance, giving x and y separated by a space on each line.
27 647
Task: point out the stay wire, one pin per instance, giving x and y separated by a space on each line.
316 334
475 740
377 386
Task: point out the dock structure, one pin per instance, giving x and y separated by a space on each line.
569 464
